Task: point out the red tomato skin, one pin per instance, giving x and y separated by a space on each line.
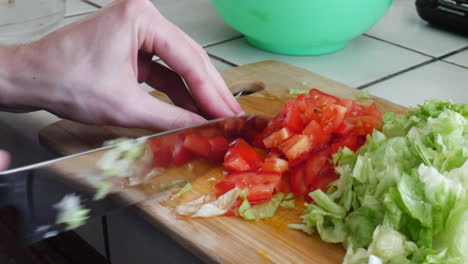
293 119
198 145
180 155
218 148
277 137
314 167
241 157
233 211
320 98
261 185
353 142
162 156
332 118
316 134
296 181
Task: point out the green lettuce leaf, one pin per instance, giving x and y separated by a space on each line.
260 211
402 198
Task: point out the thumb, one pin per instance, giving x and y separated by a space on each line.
145 111
4 160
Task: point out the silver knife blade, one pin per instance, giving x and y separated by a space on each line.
36 217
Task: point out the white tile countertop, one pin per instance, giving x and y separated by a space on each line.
402 59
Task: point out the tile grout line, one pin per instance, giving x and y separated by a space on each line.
79 14
452 53
397 73
398 45
223 60
223 41
455 64
91 3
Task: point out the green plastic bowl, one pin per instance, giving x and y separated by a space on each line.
301 27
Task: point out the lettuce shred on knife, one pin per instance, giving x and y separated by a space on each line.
403 197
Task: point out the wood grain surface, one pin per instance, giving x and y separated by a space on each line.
224 239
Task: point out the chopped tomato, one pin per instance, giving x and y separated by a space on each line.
198 145
353 142
316 134
180 154
319 98
277 137
315 167
302 102
323 182
260 185
241 157
345 128
289 117
332 117
296 180
218 148
296 146
274 163
162 156
233 211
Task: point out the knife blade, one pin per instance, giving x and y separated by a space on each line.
37 217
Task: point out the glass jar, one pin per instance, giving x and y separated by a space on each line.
23 21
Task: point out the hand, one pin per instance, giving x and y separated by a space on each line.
90 71
4 160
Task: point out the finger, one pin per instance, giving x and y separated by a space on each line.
190 61
167 81
4 160
144 111
225 93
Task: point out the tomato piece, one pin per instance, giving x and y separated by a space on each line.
296 181
316 134
289 117
241 157
274 164
218 148
345 128
320 98
315 167
353 142
364 125
162 154
259 193
180 154
302 102
296 146
198 145
293 119
277 137
233 211
332 117
322 183
260 185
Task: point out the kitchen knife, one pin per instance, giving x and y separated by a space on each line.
35 207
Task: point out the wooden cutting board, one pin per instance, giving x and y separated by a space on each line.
224 239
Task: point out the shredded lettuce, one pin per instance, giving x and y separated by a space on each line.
129 160
260 211
288 203
183 190
207 206
402 198
297 91
71 213
165 186
363 94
